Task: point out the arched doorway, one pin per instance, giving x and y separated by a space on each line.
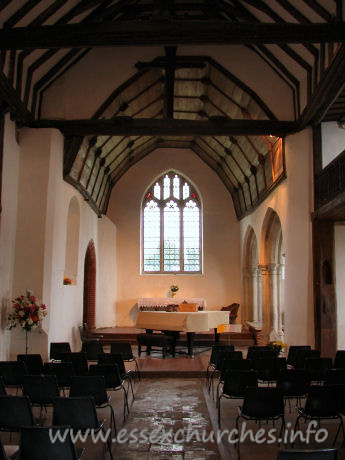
252 308
89 310
272 265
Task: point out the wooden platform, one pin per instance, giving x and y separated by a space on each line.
128 334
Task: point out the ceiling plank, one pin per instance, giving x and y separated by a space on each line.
119 33
19 14
125 126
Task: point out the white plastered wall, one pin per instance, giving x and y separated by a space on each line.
9 197
41 244
220 282
292 201
333 141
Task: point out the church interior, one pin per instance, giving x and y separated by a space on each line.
148 145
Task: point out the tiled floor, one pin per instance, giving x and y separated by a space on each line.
175 402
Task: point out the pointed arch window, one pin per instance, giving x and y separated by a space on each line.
171 226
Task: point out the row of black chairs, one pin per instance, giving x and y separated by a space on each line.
35 443
75 413
92 349
261 404
14 371
298 353
268 365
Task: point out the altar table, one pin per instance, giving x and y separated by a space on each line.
165 301
189 322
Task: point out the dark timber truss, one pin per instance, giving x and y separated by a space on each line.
176 101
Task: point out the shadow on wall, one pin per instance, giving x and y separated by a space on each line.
134 312
5 310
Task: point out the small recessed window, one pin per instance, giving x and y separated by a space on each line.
171 226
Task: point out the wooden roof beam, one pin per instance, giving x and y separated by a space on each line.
123 33
15 104
331 86
125 126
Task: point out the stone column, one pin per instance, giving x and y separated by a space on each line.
250 286
280 268
269 303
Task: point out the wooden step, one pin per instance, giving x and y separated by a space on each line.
244 338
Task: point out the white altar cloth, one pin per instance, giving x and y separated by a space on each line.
183 322
165 301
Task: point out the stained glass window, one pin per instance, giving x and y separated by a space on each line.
171 230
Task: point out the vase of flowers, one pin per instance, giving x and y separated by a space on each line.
27 312
67 281
174 288
277 346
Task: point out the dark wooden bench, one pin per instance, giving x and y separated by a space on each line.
166 342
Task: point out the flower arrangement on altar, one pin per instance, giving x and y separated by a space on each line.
174 288
27 312
277 346
67 281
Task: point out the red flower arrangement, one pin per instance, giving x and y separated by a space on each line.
28 312
67 281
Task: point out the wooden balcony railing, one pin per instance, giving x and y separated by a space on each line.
330 182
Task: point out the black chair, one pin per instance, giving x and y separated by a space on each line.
15 411
62 371
78 360
335 377
92 350
253 349
57 348
262 403
238 364
33 363
116 358
162 341
8 452
80 414
227 361
339 360
294 383
293 349
213 359
13 373
125 349
318 454
318 368
323 403
113 381
302 355
257 355
41 390
93 385
3 391
235 384
269 369
36 444
222 357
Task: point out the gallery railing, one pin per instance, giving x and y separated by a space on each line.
330 182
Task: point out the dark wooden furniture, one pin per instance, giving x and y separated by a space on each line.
166 342
233 311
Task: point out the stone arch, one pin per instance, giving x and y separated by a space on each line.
252 310
89 310
272 265
72 241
